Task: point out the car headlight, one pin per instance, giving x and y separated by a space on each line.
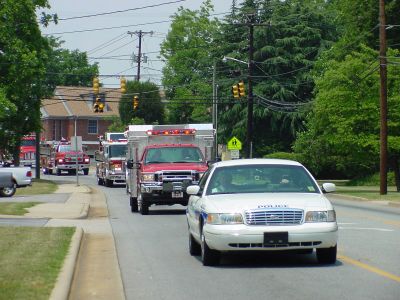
147 177
224 219
321 216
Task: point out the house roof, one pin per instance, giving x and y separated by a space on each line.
71 101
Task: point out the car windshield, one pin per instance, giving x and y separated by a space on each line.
173 155
261 179
117 150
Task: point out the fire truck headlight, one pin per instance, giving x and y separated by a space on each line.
87 160
147 177
60 160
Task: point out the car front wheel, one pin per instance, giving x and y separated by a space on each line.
208 256
327 255
194 247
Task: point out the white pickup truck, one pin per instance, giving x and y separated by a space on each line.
21 177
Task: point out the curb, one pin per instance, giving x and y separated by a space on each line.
360 199
66 275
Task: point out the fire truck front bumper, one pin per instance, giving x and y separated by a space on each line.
72 167
165 187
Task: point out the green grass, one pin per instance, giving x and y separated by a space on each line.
31 259
39 186
369 192
15 208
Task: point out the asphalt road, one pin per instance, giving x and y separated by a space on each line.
155 262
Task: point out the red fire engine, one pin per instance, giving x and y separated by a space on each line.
58 157
27 156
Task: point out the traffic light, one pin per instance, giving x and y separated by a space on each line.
241 89
135 102
235 91
98 106
96 85
123 85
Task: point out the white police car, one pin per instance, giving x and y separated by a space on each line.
260 205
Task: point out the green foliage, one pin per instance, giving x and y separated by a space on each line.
284 155
343 130
22 69
68 68
150 107
187 72
285 53
371 180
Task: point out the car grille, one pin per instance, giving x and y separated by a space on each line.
274 217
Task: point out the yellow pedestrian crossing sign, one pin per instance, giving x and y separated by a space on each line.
234 144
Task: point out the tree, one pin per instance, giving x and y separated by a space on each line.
22 69
289 40
188 70
68 68
150 108
342 136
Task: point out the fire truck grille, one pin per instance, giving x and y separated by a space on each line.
176 176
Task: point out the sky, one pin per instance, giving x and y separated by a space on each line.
113 48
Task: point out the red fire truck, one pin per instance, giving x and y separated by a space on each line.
59 156
162 160
110 167
27 155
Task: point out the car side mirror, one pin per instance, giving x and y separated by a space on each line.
328 187
192 189
130 164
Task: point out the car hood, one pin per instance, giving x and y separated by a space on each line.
229 203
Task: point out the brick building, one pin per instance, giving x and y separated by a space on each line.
71 109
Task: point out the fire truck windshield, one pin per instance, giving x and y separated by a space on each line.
117 150
28 143
173 155
64 148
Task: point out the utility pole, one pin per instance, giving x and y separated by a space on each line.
139 57
249 142
383 98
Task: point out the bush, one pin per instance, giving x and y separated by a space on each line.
372 180
284 155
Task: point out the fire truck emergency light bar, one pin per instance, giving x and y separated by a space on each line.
172 132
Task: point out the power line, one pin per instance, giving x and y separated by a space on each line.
119 11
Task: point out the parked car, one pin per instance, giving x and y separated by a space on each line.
21 177
260 205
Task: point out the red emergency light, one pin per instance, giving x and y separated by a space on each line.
172 132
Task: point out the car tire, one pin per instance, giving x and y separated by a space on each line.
100 181
85 171
327 255
134 204
209 257
194 246
143 205
8 191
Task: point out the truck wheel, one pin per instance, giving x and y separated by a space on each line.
143 205
58 172
327 255
100 181
109 183
85 171
134 204
209 257
45 171
8 191
50 171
